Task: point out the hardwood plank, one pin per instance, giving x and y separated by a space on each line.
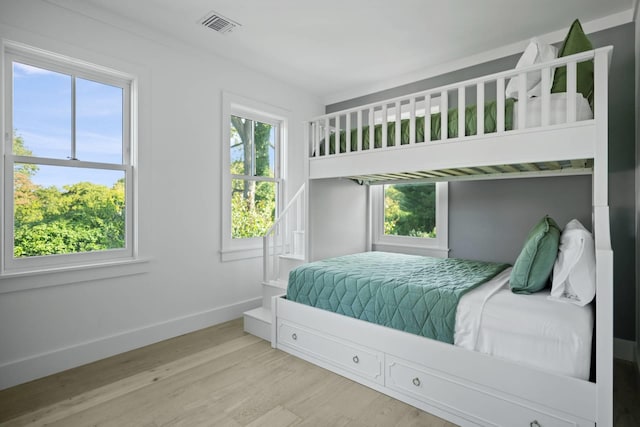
23 398
277 417
272 384
79 403
208 388
385 411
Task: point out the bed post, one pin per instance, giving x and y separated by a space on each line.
604 254
312 146
369 221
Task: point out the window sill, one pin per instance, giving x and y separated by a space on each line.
26 280
433 251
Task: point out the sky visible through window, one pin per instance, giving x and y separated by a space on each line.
42 116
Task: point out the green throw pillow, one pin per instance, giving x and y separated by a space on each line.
575 42
534 264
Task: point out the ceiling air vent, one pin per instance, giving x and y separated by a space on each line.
219 23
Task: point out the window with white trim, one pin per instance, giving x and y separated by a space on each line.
67 163
411 215
253 135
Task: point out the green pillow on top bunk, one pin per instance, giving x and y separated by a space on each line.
533 266
471 120
575 42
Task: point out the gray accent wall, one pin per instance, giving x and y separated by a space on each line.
489 219
338 214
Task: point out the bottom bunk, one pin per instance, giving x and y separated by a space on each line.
369 317
461 302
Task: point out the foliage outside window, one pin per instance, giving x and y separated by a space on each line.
67 171
410 210
253 162
411 217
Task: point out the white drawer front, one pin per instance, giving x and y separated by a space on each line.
359 360
480 406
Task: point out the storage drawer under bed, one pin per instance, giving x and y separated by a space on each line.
359 360
484 395
444 392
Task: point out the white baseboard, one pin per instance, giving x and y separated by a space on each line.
624 349
38 366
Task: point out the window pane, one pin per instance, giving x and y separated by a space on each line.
99 119
252 147
42 111
265 149
241 142
253 207
59 210
410 210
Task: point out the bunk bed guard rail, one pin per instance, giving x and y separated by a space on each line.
373 127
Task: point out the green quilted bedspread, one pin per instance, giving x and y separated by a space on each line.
471 121
411 293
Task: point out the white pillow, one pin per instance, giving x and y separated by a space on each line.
574 273
535 53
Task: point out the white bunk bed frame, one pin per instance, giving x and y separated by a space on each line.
462 386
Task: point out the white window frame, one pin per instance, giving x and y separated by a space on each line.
16 267
237 105
437 246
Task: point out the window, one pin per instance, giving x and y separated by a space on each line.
411 215
253 137
253 176
67 169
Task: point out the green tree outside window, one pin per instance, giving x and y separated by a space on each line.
410 210
80 217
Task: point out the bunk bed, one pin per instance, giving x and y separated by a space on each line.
528 137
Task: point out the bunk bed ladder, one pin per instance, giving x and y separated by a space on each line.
285 240
284 248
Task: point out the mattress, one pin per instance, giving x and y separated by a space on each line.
411 293
527 329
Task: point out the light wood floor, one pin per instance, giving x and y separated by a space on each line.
221 376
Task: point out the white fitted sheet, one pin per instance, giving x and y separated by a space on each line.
528 329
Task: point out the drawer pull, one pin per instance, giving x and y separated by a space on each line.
534 423
294 336
416 382
356 359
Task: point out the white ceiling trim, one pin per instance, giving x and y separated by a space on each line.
556 36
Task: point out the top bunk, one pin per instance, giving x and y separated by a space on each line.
559 129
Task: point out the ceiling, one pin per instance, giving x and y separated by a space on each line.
331 47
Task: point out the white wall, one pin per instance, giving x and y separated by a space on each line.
184 286
338 217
